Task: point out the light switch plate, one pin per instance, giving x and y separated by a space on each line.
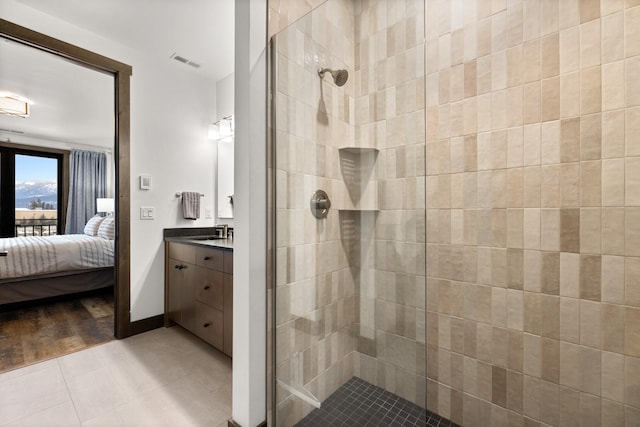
207 213
147 212
145 182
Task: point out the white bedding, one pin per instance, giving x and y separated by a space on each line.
36 255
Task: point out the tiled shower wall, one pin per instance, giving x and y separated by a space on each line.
390 116
315 287
533 220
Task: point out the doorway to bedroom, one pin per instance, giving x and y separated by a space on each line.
62 243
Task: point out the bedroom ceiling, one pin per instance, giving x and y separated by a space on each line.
200 30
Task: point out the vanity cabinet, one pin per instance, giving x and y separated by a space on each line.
199 292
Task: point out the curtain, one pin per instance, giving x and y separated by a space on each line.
87 182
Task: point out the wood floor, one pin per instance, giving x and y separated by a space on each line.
32 333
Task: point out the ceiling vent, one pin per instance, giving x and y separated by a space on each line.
184 60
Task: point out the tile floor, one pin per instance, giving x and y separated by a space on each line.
361 404
165 377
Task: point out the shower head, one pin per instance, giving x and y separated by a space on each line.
340 77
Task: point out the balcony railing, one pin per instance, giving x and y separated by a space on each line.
30 227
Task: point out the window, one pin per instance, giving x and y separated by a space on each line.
32 191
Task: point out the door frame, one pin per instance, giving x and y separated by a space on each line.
121 73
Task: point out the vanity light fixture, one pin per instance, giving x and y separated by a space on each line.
221 129
14 105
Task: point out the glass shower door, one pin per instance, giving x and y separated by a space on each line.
349 291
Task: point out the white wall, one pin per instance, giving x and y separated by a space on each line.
171 109
250 241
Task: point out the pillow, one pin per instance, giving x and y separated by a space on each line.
107 228
91 229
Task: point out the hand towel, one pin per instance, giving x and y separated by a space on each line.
191 205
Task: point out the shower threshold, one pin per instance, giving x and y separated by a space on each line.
359 403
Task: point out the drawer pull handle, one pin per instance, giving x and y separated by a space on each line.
207 258
177 267
206 287
206 325
181 267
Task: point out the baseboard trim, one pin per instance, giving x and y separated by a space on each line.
148 324
232 423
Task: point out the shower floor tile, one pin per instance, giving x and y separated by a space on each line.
358 403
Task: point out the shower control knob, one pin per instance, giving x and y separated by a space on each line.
320 204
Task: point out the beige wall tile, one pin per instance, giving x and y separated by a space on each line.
590 44
569 13
550 141
613 328
570 94
611 6
569 186
551 273
532 353
632 381
632 81
613 131
550 361
632 181
550 231
570 373
613 176
590 230
532 144
632 31
532 313
515 102
569 274
590 183
613 86
612 33
569 407
613 231
590 277
550 323
632 278
569 45
515 228
590 367
531 232
590 324
550 186
550 54
613 279
514 187
570 230
590 90
532 100
570 140
590 137
589 10
532 263
632 231
570 320
632 332
613 376
531 187
515 274
632 122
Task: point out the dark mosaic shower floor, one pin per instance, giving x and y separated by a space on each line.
358 403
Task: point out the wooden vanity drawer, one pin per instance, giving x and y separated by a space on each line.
209 325
182 252
209 287
210 258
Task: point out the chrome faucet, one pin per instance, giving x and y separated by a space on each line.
225 230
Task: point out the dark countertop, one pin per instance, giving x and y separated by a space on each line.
225 244
197 237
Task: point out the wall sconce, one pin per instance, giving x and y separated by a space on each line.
14 105
221 129
107 206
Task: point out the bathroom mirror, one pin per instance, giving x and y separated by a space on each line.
225 178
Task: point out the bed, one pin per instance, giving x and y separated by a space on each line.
38 267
